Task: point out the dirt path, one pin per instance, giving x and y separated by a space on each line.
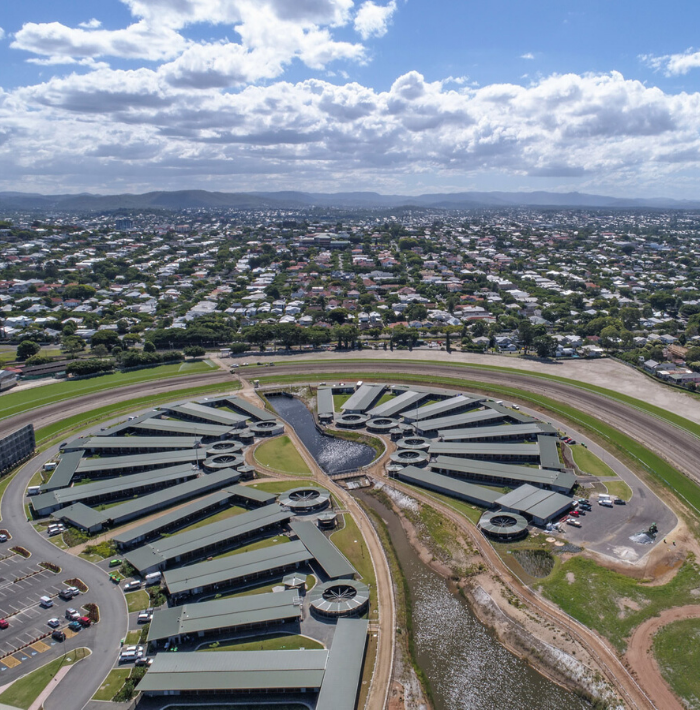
385 625
641 659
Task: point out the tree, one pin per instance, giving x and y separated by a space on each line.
99 351
108 338
416 311
72 344
525 334
122 326
609 337
194 351
337 315
478 329
630 317
149 347
545 346
27 348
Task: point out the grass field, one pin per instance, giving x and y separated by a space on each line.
627 448
137 601
612 603
112 685
589 462
280 454
94 416
350 542
22 693
274 642
339 400
619 489
14 403
677 651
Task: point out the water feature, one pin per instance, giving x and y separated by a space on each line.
467 667
333 455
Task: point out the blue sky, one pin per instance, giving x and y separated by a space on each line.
399 96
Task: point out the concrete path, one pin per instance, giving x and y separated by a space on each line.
39 702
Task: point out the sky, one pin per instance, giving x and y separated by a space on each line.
392 96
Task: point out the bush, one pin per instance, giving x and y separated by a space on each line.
172 356
103 549
26 349
50 566
128 570
195 351
21 551
238 348
90 366
93 612
157 596
76 582
38 360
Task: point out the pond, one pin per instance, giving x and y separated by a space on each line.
332 454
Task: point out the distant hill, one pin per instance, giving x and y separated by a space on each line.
183 199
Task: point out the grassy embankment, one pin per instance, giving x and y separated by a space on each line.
23 692
589 462
677 651
619 489
281 455
112 684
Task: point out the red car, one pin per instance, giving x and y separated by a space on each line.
84 621
4 623
575 513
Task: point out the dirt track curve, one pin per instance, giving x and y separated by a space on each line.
680 448
641 659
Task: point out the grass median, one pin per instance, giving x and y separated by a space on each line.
14 403
589 462
280 454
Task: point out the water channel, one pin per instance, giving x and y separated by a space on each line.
467 666
333 455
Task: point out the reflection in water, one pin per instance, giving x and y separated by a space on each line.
467 667
333 455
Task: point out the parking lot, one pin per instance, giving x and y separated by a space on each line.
22 583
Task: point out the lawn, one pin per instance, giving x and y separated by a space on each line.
612 603
677 651
386 397
137 601
221 515
350 542
132 637
280 454
339 400
257 545
589 462
14 403
23 692
112 685
619 489
282 486
274 642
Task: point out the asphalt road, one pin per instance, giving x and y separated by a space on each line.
680 448
87 675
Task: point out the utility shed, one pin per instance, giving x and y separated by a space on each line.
549 453
129 444
493 451
144 505
114 465
235 569
169 522
114 488
341 681
453 487
189 673
324 403
206 539
500 474
481 417
326 554
535 504
501 432
453 405
64 472
83 518
224 615
198 412
405 400
175 427
363 398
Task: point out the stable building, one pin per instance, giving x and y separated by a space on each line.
534 504
501 433
487 451
364 398
448 407
453 487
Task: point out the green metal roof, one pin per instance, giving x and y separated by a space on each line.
81 516
234 567
138 442
549 452
241 405
64 472
449 486
439 409
324 551
341 681
363 398
251 494
163 458
176 426
324 401
536 502
450 448
223 614
235 670
499 431
406 400
208 414
465 419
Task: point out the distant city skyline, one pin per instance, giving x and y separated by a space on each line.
397 96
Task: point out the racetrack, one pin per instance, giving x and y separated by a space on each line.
680 448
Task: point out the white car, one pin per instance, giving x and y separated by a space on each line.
53 623
132 586
145 616
72 614
3 537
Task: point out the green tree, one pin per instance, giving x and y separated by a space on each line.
108 338
27 348
149 347
72 344
545 346
525 334
609 337
194 351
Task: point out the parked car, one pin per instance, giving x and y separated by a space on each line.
145 661
3 537
619 501
84 621
115 562
132 586
72 614
54 623
58 636
145 616
574 522
4 623
575 513
74 626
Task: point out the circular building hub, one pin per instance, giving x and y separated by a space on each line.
305 500
351 421
345 597
503 526
266 428
225 447
416 443
381 425
410 457
220 461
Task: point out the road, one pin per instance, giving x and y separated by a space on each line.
680 448
51 413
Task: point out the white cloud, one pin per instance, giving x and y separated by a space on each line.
372 20
527 55
673 64
2 33
92 24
